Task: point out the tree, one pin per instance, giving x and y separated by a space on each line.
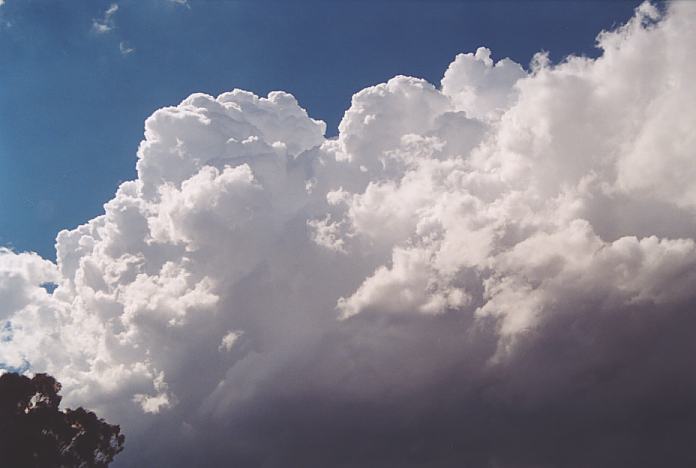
35 433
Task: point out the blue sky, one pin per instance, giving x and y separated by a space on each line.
72 104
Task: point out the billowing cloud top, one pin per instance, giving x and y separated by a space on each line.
500 271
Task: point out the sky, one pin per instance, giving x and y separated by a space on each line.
74 102
357 234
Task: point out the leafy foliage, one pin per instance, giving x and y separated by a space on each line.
34 432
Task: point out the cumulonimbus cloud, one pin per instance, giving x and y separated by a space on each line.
495 272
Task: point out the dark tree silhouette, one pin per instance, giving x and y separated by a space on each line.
35 433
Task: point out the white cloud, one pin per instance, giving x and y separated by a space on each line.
106 22
480 87
124 48
229 340
516 249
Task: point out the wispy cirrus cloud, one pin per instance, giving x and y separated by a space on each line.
106 22
124 48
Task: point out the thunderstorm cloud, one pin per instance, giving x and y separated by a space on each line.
497 271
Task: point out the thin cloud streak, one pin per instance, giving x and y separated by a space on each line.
106 23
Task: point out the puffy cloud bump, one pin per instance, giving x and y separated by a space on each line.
499 271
